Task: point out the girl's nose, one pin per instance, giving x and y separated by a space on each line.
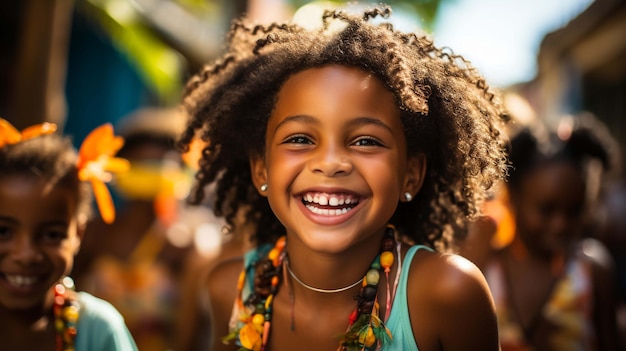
331 160
26 251
565 226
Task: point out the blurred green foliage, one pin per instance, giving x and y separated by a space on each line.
160 65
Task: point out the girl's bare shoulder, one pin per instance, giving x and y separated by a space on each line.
450 304
446 278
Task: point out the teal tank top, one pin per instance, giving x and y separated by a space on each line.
399 322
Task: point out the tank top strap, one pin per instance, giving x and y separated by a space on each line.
399 322
404 277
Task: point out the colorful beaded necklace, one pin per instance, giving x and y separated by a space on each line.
66 313
366 331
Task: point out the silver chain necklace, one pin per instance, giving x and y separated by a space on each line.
325 291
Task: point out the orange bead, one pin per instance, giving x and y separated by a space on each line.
280 243
273 254
386 260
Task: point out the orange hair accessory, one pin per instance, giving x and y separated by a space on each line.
96 162
10 135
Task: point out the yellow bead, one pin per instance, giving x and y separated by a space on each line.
367 338
386 259
71 314
257 322
258 319
273 254
59 324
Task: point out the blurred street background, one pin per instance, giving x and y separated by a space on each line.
83 62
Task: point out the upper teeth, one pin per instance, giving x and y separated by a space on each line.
330 199
21 280
322 199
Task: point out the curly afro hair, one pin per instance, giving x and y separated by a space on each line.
448 111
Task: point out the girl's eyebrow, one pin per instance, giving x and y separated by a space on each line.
55 223
7 219
359 121
297 118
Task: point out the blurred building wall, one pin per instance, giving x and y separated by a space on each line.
582 66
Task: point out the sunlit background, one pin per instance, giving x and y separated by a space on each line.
502 38
80 63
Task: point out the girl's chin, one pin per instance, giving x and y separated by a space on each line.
326 241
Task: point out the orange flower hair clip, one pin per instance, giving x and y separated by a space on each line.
10 135
96 159
96 162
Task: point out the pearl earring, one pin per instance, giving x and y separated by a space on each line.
408 197
263 187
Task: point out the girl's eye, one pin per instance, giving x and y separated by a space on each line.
298 139
5 232
54 236
575 211
367 141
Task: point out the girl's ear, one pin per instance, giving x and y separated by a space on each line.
414 177
258 170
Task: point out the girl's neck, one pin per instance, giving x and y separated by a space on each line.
331 270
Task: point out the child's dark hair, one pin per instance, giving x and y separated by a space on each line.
448 111
51 158
588 139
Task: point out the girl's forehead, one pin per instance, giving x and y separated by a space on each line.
335 90
562 177
322 84
37 194
333 73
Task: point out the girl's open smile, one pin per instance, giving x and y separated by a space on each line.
329 204
327 207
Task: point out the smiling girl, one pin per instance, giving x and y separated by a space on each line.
44 204
356 148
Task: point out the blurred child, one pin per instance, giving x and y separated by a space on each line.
44 204
137 262
553 288
342 144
